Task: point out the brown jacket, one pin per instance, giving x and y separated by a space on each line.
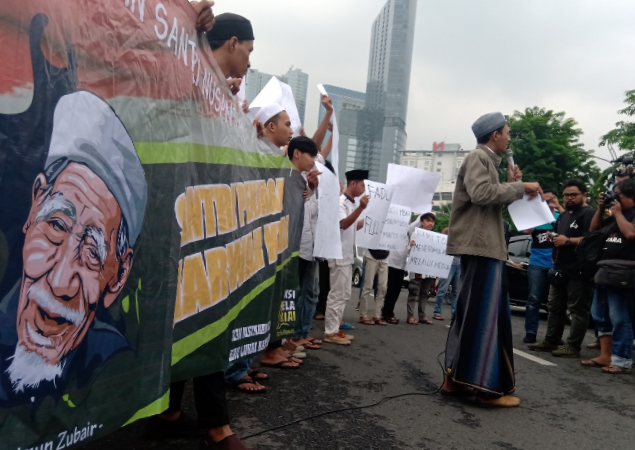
476 221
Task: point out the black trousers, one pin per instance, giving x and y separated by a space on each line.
325 287
395 280
210 399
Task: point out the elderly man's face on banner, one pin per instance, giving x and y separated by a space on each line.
73 261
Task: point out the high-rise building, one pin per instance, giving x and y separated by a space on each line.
444 159
382 124
346 104
295 78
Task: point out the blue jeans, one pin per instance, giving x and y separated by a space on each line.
307 302
454 280
538 280
613 315
239 369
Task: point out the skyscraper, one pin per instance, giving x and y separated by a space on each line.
347 104
295 78
382 124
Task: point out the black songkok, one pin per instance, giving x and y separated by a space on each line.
357 175
229 25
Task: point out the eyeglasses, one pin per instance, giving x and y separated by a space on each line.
572 196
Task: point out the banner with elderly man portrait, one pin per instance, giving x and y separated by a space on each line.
146 234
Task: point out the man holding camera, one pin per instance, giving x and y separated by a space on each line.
569 290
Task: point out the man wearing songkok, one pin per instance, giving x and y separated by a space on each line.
341 269
479 359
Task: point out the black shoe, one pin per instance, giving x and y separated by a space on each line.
184 426
529 338
232 442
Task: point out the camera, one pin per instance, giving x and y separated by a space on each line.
610 197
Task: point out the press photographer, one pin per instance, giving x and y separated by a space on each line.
613 299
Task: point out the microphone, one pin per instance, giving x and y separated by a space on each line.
510 158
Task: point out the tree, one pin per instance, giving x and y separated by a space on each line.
623 136
547 149
442 214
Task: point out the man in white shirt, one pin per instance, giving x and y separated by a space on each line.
341 269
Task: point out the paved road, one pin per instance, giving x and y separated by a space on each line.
564 406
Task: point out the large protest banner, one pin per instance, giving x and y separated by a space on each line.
146 234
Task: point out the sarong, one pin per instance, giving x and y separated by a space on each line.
479 350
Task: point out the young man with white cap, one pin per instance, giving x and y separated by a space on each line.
341 269
479 359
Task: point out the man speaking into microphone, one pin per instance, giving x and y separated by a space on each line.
479 359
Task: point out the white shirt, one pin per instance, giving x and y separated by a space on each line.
347 236
310 220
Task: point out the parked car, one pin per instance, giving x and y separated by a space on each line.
358 267
519 251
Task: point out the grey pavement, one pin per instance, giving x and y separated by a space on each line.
564 406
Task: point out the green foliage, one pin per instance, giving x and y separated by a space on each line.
623 136
547 149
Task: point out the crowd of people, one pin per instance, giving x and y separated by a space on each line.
479 355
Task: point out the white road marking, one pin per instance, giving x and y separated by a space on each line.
533 358
447 326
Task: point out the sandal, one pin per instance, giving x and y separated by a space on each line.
438 317
248 381
311 346
615 370
412 321
320 317
257 375
379 321
426 321
281 364
314 341
366 321
393 320
592 363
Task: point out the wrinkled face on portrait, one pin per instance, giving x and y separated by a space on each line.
76 258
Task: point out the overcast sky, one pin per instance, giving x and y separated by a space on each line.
470 57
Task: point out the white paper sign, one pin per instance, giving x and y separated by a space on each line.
275 91
242 93
530 213
327 231
335 149
428 256
394 234
413 187
374 215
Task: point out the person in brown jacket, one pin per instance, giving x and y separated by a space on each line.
479 359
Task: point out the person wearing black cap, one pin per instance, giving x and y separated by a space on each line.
232 41
479 359
341 269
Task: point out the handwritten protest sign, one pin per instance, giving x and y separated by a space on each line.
413 187
394 234
428 256
275 91
327 232
374 215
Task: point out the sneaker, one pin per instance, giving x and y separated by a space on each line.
543 346
348 337
336 339
529 338
566 351
594 345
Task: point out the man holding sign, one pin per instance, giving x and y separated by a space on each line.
341 269
479 358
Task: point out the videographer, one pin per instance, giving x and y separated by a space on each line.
568 290
613 300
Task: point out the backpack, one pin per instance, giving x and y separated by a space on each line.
588 251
